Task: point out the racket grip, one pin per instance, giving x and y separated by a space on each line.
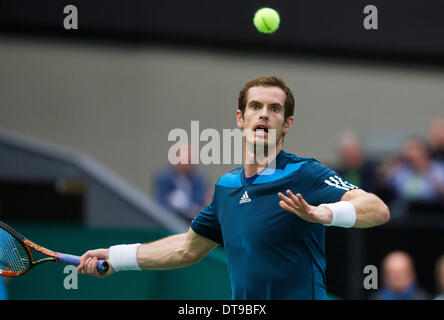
102 266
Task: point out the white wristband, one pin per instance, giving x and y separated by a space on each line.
344 214
124 257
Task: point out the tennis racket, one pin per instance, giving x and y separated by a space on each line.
16 257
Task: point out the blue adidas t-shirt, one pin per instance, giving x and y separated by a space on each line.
272 253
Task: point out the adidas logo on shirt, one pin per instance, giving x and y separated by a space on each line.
337 182
245 198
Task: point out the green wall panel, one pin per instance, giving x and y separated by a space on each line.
206 280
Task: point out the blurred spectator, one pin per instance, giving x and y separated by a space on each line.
182 188
435 137
439 276
416 178
353 166
399 279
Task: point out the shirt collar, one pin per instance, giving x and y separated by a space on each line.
247 180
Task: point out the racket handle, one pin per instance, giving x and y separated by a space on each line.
102 266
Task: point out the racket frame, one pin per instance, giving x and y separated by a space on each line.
27 244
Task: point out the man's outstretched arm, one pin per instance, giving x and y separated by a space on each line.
369 210
172 252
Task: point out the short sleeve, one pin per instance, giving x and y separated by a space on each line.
328 186
206 224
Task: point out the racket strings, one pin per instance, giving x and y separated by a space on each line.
13 256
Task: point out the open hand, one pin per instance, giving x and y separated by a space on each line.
297 205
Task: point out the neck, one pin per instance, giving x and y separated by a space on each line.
254 162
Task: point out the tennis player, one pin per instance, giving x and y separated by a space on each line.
271 223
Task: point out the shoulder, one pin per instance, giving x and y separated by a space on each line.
308 166
318 175
231 179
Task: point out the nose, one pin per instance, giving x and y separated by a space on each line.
263 115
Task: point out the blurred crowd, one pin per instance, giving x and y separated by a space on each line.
410 182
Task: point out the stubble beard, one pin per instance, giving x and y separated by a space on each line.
261 151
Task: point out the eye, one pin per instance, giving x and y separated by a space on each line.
254 107
275 109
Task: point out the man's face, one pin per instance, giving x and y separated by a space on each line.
264 110
416 154
350 152
398 273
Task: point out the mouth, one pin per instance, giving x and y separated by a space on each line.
261 128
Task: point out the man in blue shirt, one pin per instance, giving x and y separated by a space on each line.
271 253
182 188
269 215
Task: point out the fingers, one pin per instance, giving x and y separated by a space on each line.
287 207
89 261
89 267
289 202
299 200
83 259
303 202
296 204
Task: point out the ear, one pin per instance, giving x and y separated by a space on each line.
288 124
239 119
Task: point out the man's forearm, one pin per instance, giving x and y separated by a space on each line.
167 253
370 211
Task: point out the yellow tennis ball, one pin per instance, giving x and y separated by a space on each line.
266 20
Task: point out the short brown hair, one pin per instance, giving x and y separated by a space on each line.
267 81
